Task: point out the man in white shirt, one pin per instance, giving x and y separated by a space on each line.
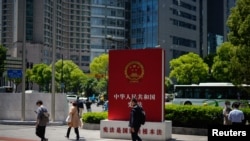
236 116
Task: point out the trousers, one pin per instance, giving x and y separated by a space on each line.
134 135
40 132
76 131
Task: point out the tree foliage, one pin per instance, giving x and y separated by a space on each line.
223 62
99 65
3 52
89 86
169 85
41 75
239 25
188 68
69 76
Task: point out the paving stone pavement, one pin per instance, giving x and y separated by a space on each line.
57 133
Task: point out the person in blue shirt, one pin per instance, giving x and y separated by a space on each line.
236 116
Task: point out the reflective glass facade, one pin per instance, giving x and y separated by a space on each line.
108 19
144 23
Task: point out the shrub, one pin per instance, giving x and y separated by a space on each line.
94 117
181 115
193 116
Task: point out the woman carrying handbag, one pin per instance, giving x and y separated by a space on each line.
73 120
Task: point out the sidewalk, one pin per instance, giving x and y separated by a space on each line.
57 133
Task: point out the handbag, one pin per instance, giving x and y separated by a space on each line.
68 119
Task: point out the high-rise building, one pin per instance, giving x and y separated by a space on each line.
81 26
72 30
87 28
179 26
109 25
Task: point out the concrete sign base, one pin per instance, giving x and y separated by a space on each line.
157 131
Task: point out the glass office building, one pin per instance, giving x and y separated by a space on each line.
109 25
144 23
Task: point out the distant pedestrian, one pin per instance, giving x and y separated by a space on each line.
80 106
41 120
88 105
74 122
225 112
236 116
134 122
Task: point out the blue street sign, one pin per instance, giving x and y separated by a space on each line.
14 73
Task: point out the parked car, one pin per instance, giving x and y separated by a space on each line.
31 91
71 98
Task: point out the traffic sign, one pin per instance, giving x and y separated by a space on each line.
14 73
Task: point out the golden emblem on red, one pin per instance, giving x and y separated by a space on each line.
134 71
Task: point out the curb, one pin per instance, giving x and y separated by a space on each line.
90 126
14 122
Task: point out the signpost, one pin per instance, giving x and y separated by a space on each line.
14 73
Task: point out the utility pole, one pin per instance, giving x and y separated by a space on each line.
23 61
53 62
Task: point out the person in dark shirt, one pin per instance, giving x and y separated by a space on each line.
134 122
88 105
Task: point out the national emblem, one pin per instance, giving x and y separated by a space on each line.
134 71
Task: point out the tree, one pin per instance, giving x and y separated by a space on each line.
99 68
238 23
41 75
222 67
188 68
77 81
3 52
29 84
169 85
89 85
70 75
99 65
209 60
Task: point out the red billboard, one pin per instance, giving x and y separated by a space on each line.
136 73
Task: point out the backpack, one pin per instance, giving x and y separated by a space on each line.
80 104
45 115
142 114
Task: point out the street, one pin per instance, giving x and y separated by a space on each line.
57 132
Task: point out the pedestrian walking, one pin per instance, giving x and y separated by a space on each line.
225 112
88 105
80 106
134 122
236 116
74 122
41 120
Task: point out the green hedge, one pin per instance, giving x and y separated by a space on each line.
94 117
180 115
193 116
